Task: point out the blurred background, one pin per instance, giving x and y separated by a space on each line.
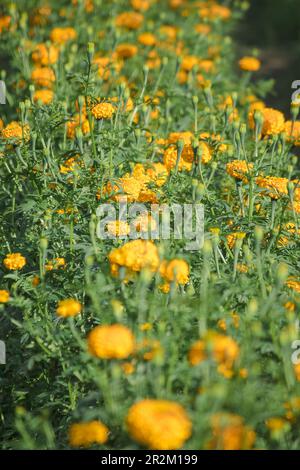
273 27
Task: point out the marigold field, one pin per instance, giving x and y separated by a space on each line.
131 344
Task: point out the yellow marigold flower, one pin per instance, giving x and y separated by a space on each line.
238 169
275 186
186 136
292 131
159 424
242 268
135 256
43 76
189 62
153 60
233 237
206 65
128 368
129 186
129 20
197 353
45 55
87 434
273 120
230 433
45 96
103 64
187 156
14 130
215 11
275 424
4 296
68 308
175 270
103 111
118 228
203 28
144 223
222 348
55 264
62 35
75 123
152 349
293 284
111 342
147 39
14 261
169 31
140 5
126 50
249 64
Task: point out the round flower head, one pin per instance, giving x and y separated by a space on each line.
273 120
87 434
292 131
238 169
159 424
126 50
129 20
16 131
275 186
44 55
111 342
14 261
147 39
175 270
4 296
43 76
103 111
68 308
135 256
230 433
62 35
44 96
249 64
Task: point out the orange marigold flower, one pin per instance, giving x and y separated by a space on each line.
175 270
147 39
159 424
68 308
111 342
135 256
45 55
44 96
5 22
86 434
126 50
129 20
4 296
273 120
14 130
293 284
292 130
275 186
14 261
249 64
62 35
230 433
43 76
238 169
103 111
141 5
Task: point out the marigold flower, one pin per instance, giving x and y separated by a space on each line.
159 424
45 96
238 169
62 35
135 256
14 130
126 50
45 55
4 296
86 434
75 124
203 28
187 156
141 5
147 39
230 433
118 228
249 64
273 120
293 284
175 270
103 111
233 237
14 261
292 130
43 76
275 186
5 22
129 20
111 342
68 308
